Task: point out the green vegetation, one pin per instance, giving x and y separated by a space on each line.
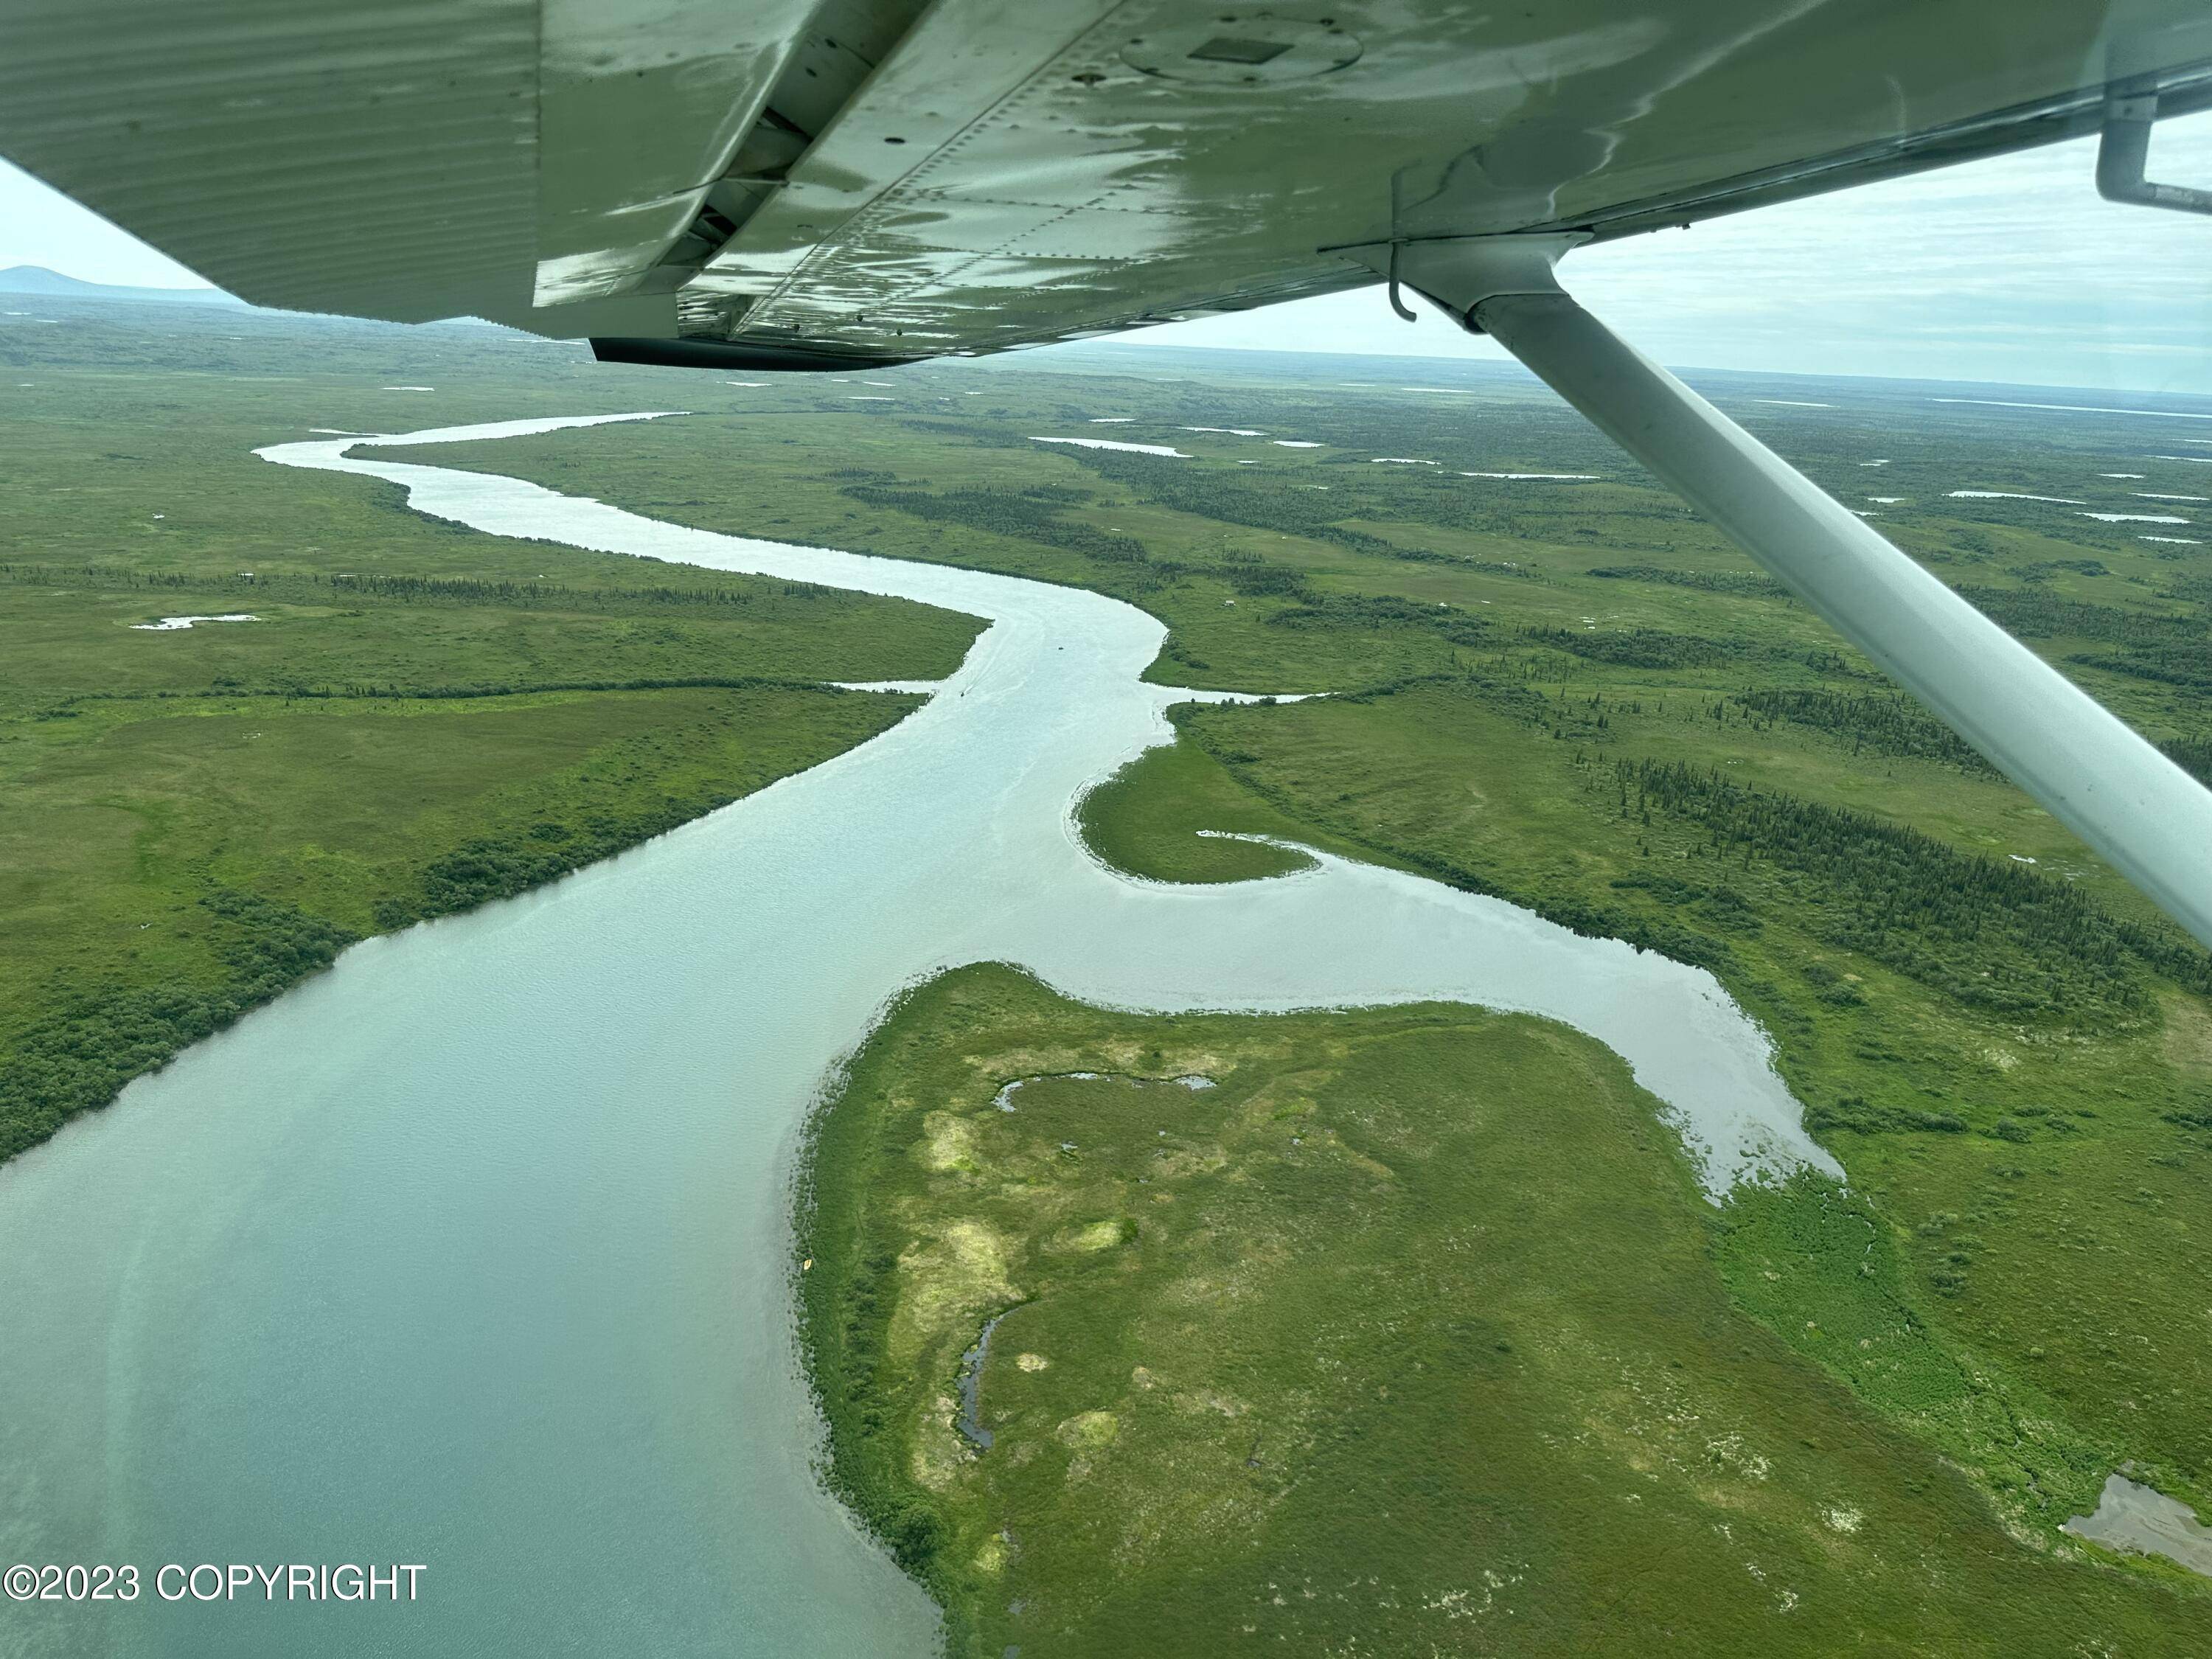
1636 647
1984 933
1412 1334
1614 719
1178 808
1975 1040
1710 582
172 865
1565 691
422 719
1885 722
2192 754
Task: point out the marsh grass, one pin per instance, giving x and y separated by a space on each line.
425 718
1414 1334
2023 1242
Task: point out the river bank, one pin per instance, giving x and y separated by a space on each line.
1412 1334
472 1248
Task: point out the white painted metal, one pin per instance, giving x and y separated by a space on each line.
1001 172
2125 151
2118 794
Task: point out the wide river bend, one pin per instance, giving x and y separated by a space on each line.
472 1252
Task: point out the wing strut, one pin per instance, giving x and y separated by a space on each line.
2096 776
2125 152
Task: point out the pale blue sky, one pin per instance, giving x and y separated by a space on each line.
2007 270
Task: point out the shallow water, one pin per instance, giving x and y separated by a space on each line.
2133 1517
173 625
969 1421
473 1251
1167 449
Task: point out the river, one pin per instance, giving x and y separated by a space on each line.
472 1252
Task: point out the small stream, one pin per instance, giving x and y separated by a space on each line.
969 1421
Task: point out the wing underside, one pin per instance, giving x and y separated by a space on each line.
788 183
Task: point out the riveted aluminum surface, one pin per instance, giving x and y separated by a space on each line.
1005 171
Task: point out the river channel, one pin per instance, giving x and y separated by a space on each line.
472 1252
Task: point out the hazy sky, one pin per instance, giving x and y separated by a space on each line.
2008 270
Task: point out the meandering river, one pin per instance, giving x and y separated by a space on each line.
472 1252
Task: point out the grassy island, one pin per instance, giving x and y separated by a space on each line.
1402 1331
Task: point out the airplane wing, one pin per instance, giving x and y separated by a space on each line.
795 183
804 183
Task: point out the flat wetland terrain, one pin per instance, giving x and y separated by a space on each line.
1412 1334
420 718
1409 1332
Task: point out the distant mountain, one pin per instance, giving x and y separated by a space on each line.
37 279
